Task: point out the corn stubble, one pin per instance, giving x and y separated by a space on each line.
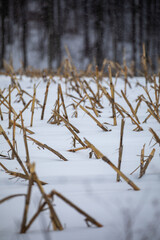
82 95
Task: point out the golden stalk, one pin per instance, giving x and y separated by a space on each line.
8 105
138 105
45 100
54 218
112 94
33 105
5 98
11 196
77 149
17 174
120 148
151 102
49 148
40 208
19 126
66 200
26 106
156 95
142 160
62 99
150 110
9 113
98 123
93 107
13 136
157 139
27 202
20 94
130 106
77 104
25 144
36 100
90 89
15 153
145 120
125 80
75 135
111 100
58 107
1 115
148 160
139 128
105 159
67 122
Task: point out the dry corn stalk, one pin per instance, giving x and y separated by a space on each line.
77 149
27 201
94 96
13 136
17 174
151 110
105 159
7 105
138 128
112 94
5 98
142 161
20 94
1 115
36 100
138 104
9 113
93 107
67 122
62 100
26 106
39 210
130 106
148 160
19 126
98 123
49 148
45 100
120 148
156 96
11 196
15 153
111 100
54 218
156 138
33 105
25 143
75 135
88 217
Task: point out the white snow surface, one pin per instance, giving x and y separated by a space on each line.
90 183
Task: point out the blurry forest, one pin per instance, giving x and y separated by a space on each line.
35 32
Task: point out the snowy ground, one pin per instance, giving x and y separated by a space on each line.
89 183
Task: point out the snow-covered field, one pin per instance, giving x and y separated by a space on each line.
90 183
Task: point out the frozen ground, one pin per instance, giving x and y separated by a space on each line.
89 183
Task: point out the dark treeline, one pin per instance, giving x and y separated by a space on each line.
35 32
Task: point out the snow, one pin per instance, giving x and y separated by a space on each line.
88 182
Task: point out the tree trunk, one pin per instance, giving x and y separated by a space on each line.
50 33
99 31
24 9
134 48
86 28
